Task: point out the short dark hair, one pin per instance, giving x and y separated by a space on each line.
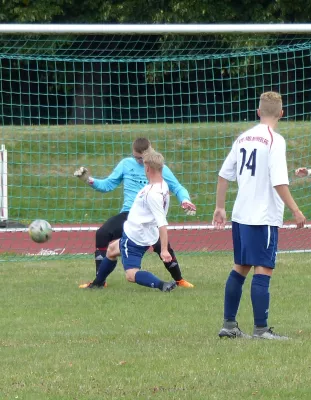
141 144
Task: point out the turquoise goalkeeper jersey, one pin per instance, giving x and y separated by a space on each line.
133 176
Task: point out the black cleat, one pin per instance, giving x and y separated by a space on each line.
91 285
168 286
233 333
267 333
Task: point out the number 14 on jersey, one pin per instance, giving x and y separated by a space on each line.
251 161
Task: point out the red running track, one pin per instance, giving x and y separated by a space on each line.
76 241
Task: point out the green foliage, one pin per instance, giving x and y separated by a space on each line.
291 11
30 11
150 11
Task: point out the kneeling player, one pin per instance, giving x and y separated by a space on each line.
146 222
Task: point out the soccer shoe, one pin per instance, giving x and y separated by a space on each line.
233 333
184 283
168 286
90 285
267 333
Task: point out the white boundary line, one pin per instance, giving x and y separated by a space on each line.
170 227
293 251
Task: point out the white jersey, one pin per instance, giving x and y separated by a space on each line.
148 214
257 161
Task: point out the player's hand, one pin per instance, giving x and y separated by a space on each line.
301 172
300 219
165 255
219 218
82 173
188 207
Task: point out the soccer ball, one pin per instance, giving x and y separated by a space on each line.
40 231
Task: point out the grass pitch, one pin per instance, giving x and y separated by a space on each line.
130 342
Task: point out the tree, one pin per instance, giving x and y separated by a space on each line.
154 11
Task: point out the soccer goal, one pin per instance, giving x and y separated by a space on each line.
78 95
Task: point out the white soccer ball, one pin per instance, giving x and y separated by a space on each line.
40 231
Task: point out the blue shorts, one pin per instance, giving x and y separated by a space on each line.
254 245
131 253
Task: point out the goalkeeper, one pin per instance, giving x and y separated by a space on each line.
131 172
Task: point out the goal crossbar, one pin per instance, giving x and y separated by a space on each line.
152 29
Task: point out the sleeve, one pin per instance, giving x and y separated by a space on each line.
174 186
278 164
155 203
229 166
111 182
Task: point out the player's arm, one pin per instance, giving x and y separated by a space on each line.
102 185
179 191
219 217
284 193
279 180
227 173
165 255
221 191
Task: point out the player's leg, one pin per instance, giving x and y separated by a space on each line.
108 264
132 255
106 267
172 266
111 230
234 287
264 263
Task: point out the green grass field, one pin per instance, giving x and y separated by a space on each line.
129 342
42 159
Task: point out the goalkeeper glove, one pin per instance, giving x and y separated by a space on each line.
83 174
189 208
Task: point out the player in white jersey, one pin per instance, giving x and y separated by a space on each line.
257 161
148 213
146 223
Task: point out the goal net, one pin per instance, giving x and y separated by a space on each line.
80 99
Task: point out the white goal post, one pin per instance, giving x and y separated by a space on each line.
3 184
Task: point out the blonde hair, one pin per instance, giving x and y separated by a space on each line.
270 105
154 159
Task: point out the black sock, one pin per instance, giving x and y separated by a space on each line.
100 254
172 266
173 269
